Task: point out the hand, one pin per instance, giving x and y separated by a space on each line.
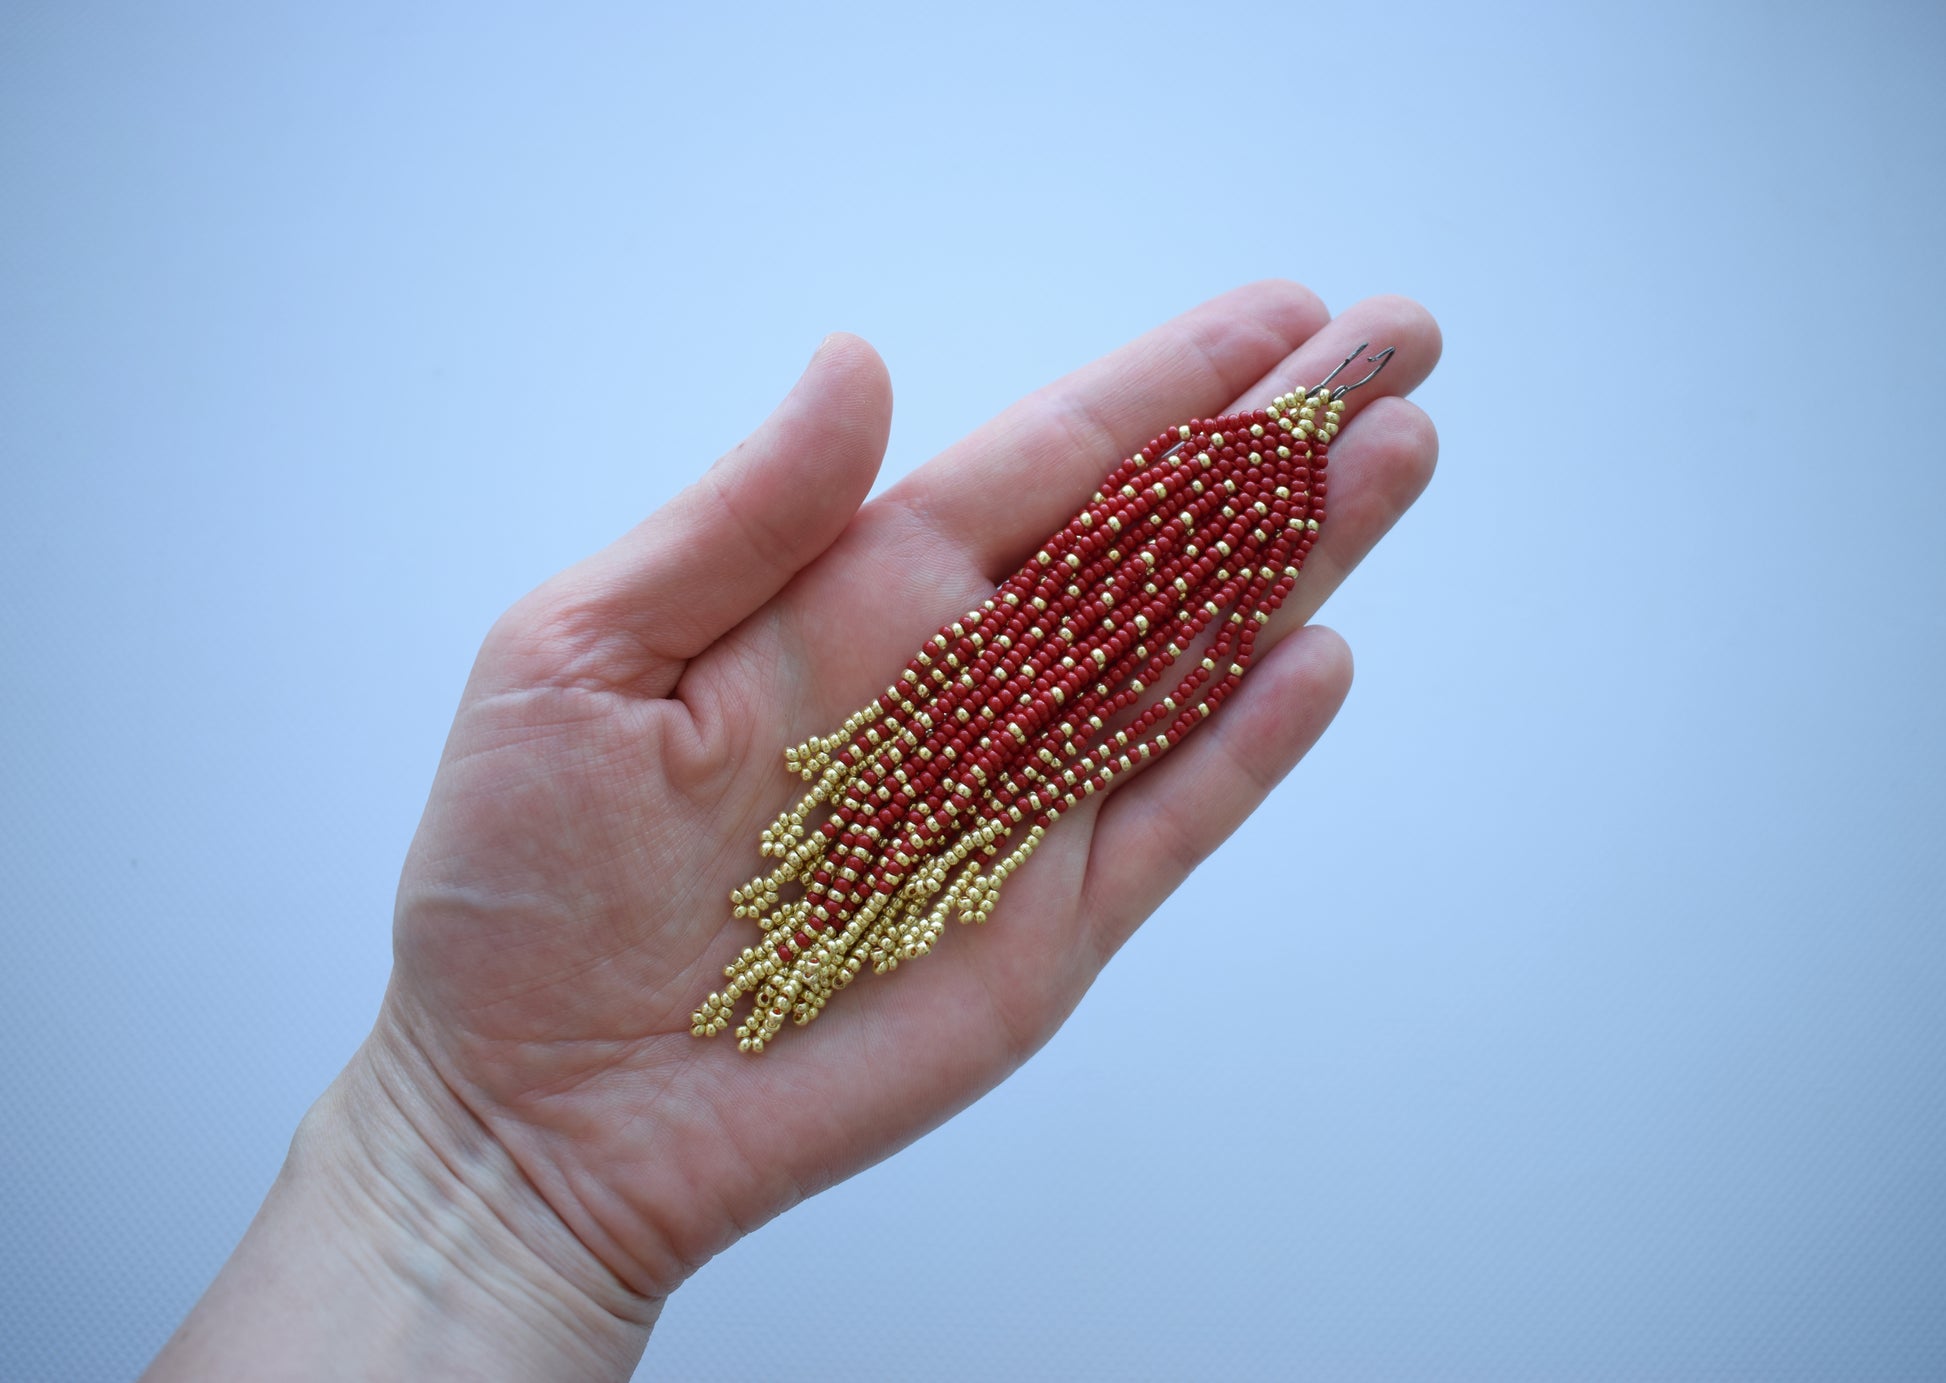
617 751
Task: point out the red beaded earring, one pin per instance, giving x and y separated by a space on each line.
1003 719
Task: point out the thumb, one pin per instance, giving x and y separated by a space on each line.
694 569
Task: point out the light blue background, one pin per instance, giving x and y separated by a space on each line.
1608 917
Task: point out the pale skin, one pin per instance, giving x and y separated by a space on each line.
531 1152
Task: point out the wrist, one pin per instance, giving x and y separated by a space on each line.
424 1187
400 1239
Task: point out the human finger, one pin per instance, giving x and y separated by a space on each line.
637 610
1007 485
1159 826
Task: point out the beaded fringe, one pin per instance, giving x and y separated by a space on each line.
936 793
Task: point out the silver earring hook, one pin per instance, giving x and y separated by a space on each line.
1324 383
1378 361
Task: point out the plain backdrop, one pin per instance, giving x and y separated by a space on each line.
1575 1012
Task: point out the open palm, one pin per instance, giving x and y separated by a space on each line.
617 752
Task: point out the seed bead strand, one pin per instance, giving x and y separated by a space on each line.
786 990
938 791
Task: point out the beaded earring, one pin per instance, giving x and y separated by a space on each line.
1003 720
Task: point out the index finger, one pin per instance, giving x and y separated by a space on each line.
1020 476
